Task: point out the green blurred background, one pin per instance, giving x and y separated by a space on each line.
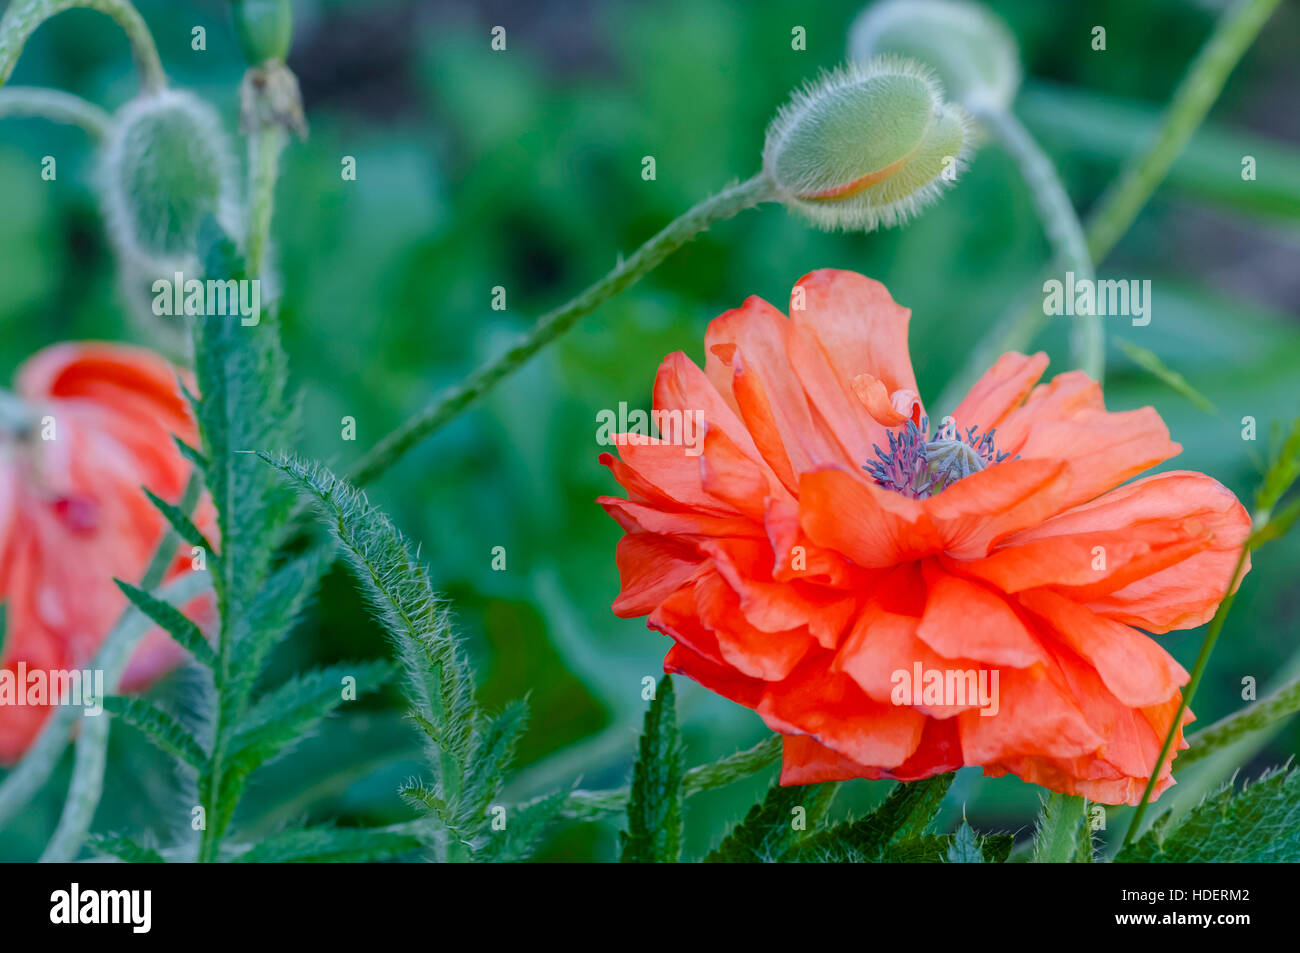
523 169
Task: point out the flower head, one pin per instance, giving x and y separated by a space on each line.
899 603
87 426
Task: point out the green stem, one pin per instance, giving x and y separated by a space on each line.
24 16
550 326
1116 210
1063 228
264 148
56 106
1198 671
1281 704
266 141
1233 34
1059 838
587 805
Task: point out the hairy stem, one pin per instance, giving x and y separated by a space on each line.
1267 711
24 16
1116 210
264 148
1058 837
1063 228
56 106
550 326
586 805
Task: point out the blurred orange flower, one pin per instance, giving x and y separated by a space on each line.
88 426
898 602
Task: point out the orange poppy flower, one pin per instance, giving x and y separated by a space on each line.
88 426
898 600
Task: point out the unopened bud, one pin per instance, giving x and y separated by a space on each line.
867 145
165 166
264 29
969 48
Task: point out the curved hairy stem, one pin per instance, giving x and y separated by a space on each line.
1063 228
24 16
550 326
54 105
1115 211
585 805
1264 713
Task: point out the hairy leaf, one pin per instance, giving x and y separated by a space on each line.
904 815
187 634
437 677
269 618
654 810
331 844
773 828
183 525
287 714
524 829
1258 824
125 849
965 848
159 727
1058 836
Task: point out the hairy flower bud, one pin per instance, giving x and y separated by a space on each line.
165 166
869 144
968 47
263 28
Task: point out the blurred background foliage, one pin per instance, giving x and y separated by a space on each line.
523 169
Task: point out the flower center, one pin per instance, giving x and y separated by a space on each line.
918 467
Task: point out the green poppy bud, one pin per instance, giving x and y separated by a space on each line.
970 50
166 164
867 145
263 28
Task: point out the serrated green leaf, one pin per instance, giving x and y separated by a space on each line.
1258 824
524 829
654 810
269 618
125 849
903 816
437 677
769 833
331 845
287 714
997 847
1057 836
186 633
183 525
159 727
190 453
490 754
965 848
